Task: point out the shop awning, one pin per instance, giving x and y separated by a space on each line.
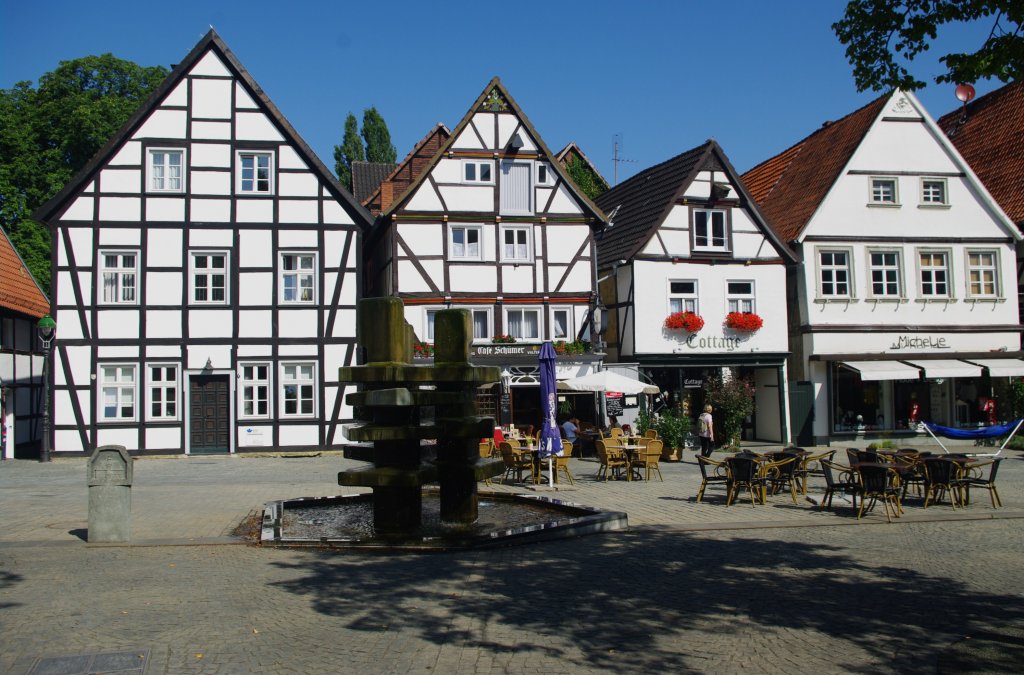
883 370
947 368
1001 367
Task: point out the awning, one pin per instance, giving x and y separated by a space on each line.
947 368
1001 367
883 370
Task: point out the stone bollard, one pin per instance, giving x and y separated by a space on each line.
109 476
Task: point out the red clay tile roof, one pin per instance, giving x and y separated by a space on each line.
992 142
408 170
18 290
790 186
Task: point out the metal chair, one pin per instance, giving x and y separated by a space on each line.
838 478
743 472
879 482
609 460
941 476
711 472
780 473
972 477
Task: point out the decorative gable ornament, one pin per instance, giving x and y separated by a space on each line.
494 102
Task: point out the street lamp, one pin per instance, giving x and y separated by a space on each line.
47 330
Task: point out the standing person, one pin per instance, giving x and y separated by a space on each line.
707 431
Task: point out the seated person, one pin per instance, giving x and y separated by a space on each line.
571 427
613 422
499 436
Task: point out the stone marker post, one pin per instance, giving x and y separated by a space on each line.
109 477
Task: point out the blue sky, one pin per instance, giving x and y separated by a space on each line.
755 75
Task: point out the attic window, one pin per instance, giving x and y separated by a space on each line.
543 174
884 192
710 230
477 172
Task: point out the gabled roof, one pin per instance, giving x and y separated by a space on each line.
211 41
367 177
406 171
991 139
573 150
638 206
495 83
19 291
790 186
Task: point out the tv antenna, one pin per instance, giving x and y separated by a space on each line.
616 145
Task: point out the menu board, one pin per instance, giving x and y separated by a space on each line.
613 403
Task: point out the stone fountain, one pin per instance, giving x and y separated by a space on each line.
412 448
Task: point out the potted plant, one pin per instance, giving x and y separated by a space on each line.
503 339
744 322
733 401
672 427
422 350
685 321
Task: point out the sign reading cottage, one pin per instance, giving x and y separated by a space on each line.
206 274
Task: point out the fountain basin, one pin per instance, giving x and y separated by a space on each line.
346 522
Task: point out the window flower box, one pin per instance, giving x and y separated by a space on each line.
503 339
744 322
685 321
422 350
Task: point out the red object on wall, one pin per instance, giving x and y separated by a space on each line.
915 410
988 406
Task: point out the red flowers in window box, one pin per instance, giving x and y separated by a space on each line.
744 322
687 321
422 350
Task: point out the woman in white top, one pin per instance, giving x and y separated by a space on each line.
707 431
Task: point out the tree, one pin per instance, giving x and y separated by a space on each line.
878 32
48 134
350 150
377 137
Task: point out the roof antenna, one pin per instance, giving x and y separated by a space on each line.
616 144
964 94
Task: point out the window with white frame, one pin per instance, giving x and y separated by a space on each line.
209 277
934 269
429 317
933 192
474 171
298 387
254 389
515 244
884 191
298 278
834 273
561 323
464 242
162 388
710 230
884 267
117 393
481 323
119 271
255 173
166 170
522 323
740 296
983 274
682 296
544 174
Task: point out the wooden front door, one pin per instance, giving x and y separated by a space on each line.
210 416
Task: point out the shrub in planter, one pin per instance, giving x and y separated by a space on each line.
733 401
672 426
744 322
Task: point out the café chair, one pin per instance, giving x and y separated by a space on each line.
515 463
779 472
615 433
743 472
941 477
647 459
809 465
838 478
485 449
651 433
610 460
973 477
710 472
879 482
562 462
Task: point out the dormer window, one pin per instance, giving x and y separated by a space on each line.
711 230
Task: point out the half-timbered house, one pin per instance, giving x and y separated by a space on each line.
206 270
905 298
686 237
22 304
492 224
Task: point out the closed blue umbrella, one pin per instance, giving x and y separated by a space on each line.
550 441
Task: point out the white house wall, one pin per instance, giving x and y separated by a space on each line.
211 116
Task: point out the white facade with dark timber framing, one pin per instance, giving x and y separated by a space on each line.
492 224
206 271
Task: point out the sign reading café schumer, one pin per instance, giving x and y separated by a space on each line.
505 350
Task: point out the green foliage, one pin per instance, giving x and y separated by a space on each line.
672 427
644 421
883 36
882 445
733 402
378 138
565 408
1016 396
586 179
47 134
350 150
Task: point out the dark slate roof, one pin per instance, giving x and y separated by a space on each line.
367 177
790 186
209 41
991 139
637 207
19 291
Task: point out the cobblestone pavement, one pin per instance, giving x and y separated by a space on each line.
690 588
